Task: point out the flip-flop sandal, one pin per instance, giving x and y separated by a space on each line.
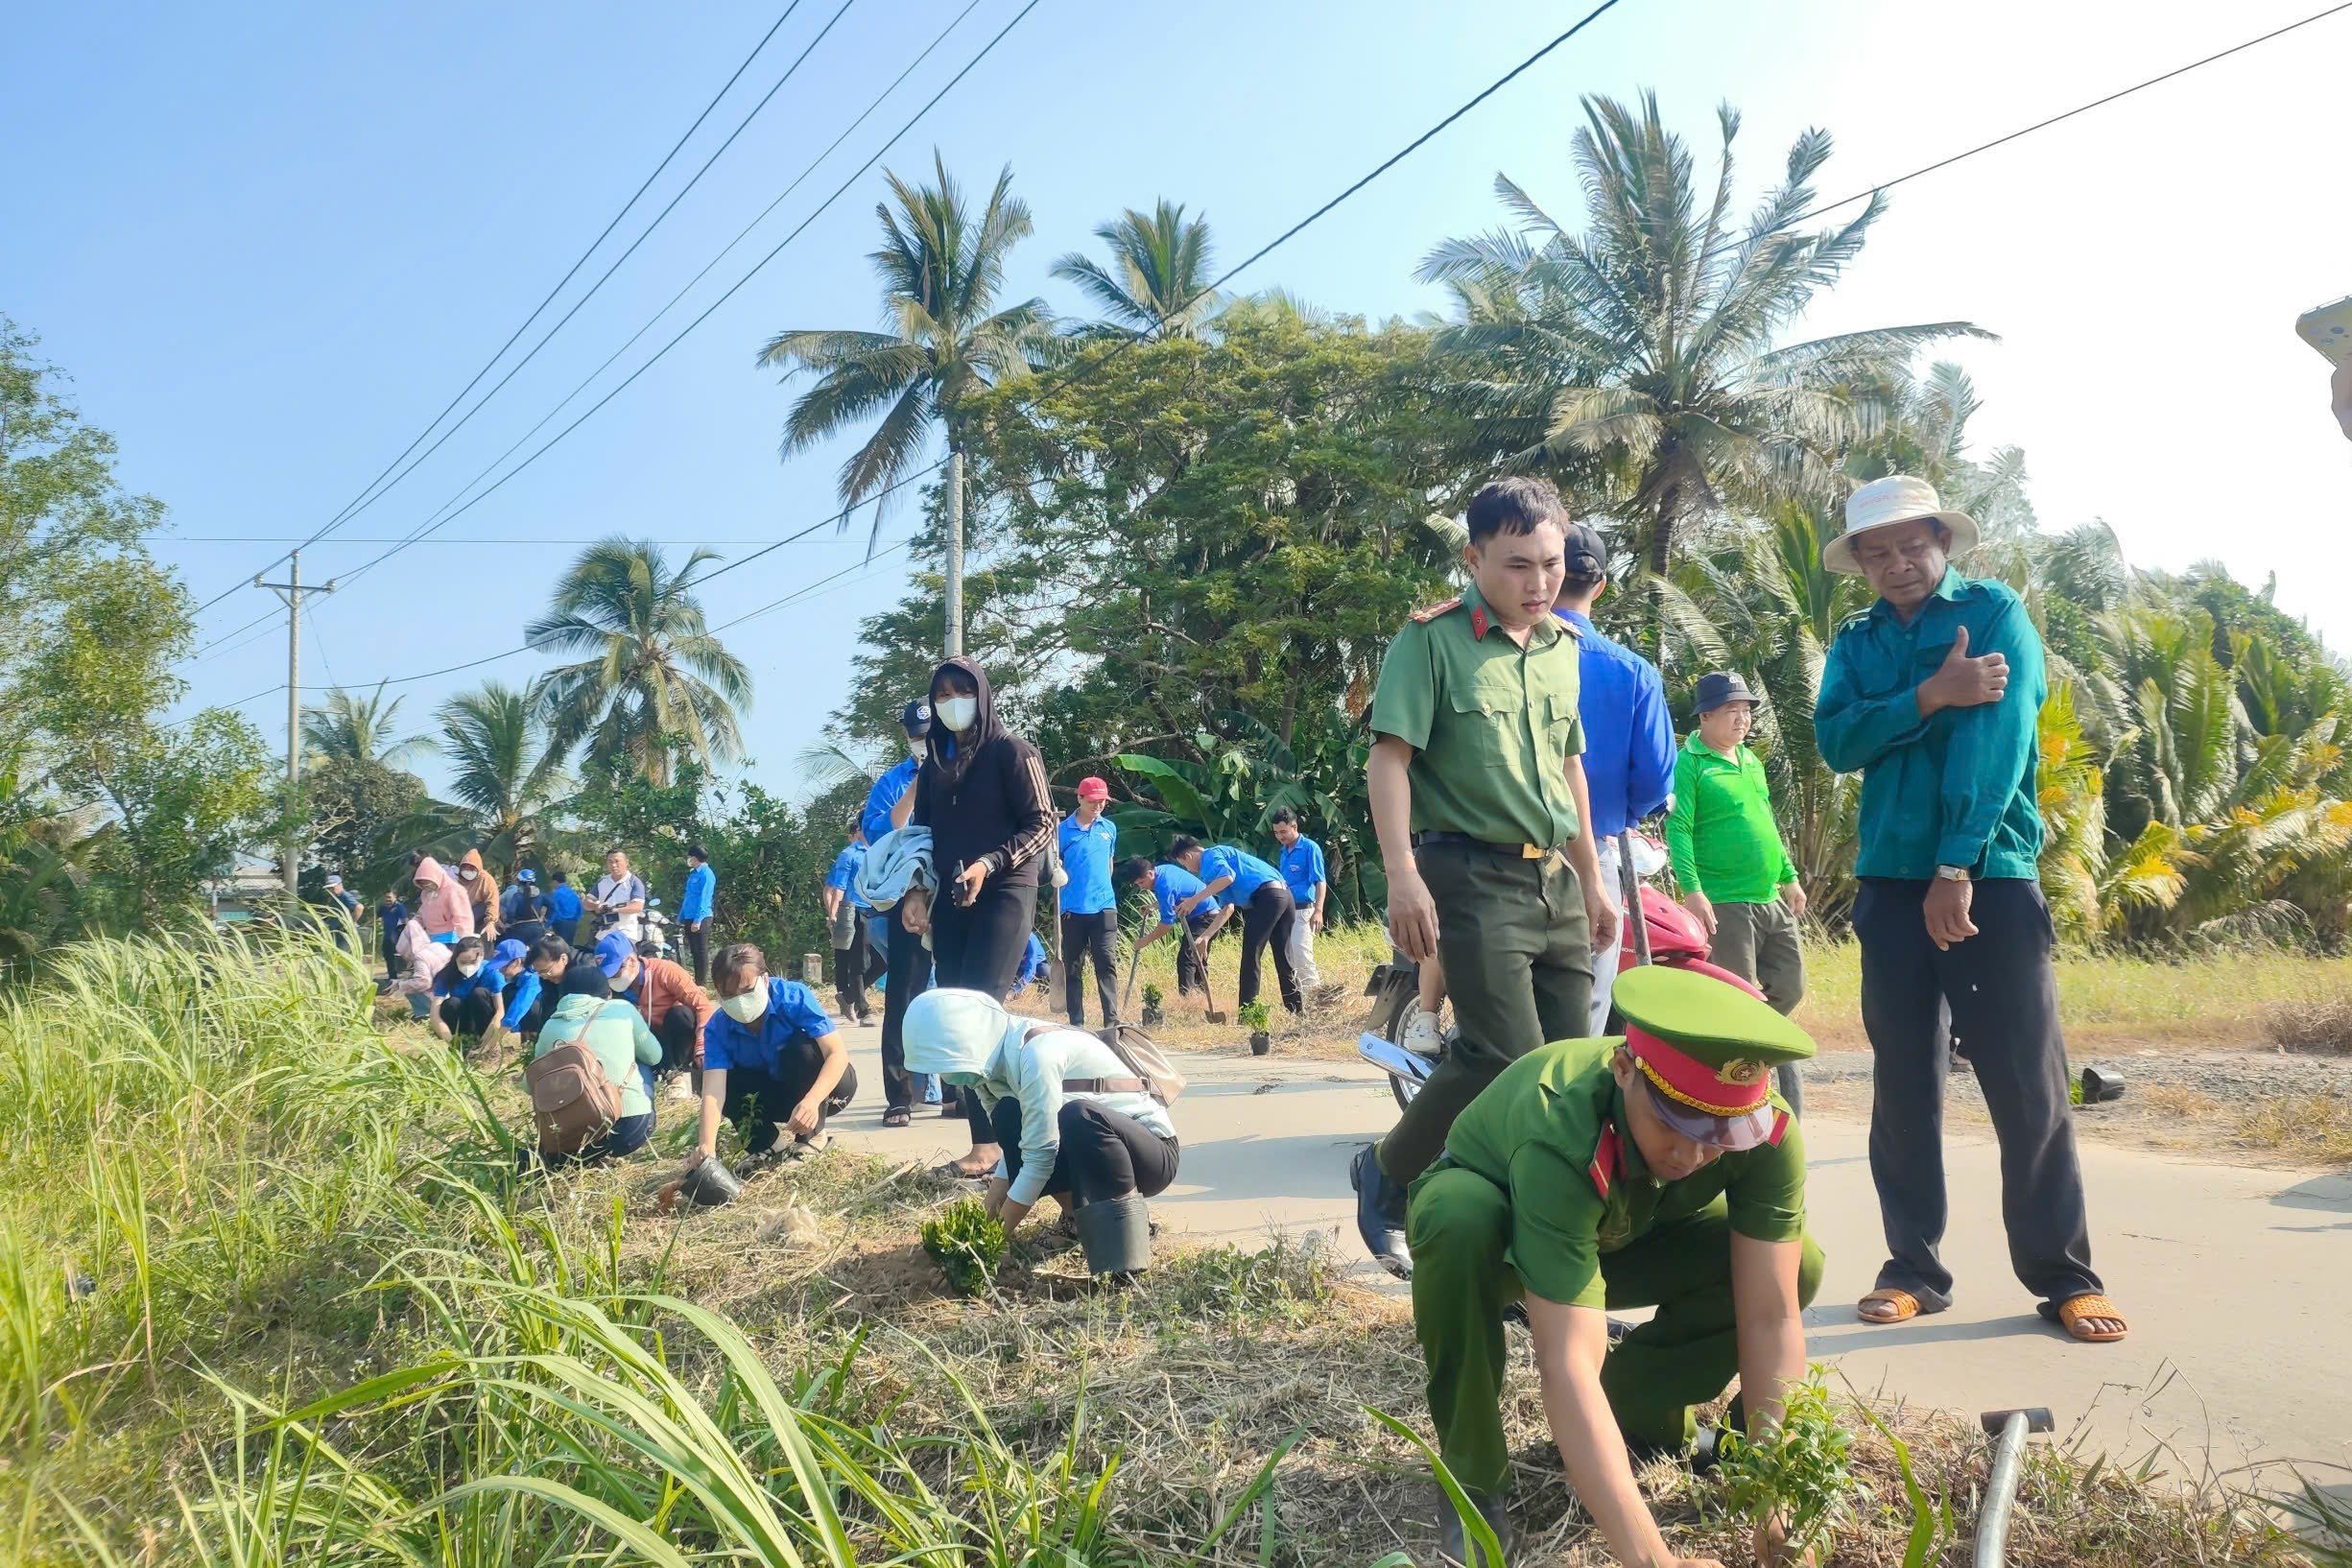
2074 1311
896 1116
1907 1306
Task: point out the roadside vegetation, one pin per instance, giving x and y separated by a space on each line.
271 1295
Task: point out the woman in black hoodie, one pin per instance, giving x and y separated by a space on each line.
982 794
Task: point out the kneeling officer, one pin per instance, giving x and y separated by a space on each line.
1656 1169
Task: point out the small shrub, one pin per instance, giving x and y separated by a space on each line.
968 1245
1255 1018
1152 995
2321 1026
1801 1470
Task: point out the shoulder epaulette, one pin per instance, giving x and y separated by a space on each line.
1436 611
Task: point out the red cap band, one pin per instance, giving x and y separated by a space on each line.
1718 1091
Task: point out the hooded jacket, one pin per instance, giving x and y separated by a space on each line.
424 959
482 892
443 906
983 795
950 1030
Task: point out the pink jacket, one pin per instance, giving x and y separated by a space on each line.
442 906
426 958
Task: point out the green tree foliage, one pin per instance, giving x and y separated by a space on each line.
185 801
506 772
1157 283
1640 358
652 669
941 266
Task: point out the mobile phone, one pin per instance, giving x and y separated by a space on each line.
2329 329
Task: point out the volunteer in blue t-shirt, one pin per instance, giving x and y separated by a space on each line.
772 1062
465 992
1089 842
1302 873
857 963
564 907
694 907
521 1012
1173 888
1248 884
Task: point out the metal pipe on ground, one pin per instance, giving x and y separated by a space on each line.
2009 1429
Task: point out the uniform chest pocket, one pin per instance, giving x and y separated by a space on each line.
1499 705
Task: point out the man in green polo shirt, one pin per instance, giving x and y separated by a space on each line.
1735 874
1934 694
1478 797
1656 1169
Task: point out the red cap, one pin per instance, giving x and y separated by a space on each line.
1093 789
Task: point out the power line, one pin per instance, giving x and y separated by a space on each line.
2080 109
560 283
707 311
603 279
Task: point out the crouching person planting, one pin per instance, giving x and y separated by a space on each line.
772 1062
1075 1120
1658 1170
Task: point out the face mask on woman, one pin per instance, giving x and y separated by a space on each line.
466 873
469 967
750 1004
958 713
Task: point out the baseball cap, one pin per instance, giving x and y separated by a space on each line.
1093 789
614 949
916 718
1721 686
526 874
509 952
334 882
1705 1050
1585 556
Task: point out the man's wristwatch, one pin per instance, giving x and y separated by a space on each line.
1951 873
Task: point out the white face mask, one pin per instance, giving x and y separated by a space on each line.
468 968
750 1004
957 713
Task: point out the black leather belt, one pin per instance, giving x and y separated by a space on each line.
1516 851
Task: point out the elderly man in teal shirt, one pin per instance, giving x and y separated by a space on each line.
1933 695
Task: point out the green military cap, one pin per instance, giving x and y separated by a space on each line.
1707 1049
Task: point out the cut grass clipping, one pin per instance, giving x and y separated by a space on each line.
270 1294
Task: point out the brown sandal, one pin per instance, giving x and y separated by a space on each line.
2077 1310
1906 1307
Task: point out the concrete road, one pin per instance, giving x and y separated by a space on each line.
2238 1281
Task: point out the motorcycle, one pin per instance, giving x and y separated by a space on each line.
1667 934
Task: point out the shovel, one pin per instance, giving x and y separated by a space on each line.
1201 954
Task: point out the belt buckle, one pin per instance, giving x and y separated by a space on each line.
1529 851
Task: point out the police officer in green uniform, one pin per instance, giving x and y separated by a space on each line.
1478 792
1655 1170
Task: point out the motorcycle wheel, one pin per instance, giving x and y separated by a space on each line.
1407 1009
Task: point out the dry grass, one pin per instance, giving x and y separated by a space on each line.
2316 1128
2321 1024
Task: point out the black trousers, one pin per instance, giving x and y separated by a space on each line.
679 1033
697 942
1192 973
1994 1000
759 1103
910 966
1266 921
471 1014
1105 1154
1097 936
978 946
854 968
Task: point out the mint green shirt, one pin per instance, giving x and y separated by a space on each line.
1958 788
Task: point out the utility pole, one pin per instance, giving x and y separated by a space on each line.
292 591
955 552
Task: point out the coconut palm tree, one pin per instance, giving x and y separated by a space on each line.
348 728
651 672
942 269
1645 348
508 773
1156 285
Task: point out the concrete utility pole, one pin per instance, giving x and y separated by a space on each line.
292 591
955 554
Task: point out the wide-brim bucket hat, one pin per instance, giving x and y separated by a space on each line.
1883 503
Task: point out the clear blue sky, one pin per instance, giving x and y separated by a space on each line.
269 242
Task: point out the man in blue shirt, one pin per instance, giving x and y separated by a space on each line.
1628 737
856 965
1933 695
1304 873
394 914
521 1013
892 796
693 910
1243 882
564 907
1173 890
772 1062
1089 841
